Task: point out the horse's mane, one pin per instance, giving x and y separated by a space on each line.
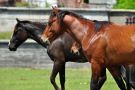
64 12
98 24
40 25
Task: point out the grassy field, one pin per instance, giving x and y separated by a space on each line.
38 79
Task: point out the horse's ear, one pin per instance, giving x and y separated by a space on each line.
55 9
17 20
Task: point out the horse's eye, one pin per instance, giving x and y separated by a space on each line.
49 23
54 14
15 32
52 31
20 30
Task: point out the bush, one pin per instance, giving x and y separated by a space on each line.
125 4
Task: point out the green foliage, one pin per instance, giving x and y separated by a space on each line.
47 5
22 4
125 4
5 35
39 79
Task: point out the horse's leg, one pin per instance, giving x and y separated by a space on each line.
96 71
62 76
115 71
102 78
53 75
127 69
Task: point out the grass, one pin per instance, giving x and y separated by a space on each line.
38 79
5 35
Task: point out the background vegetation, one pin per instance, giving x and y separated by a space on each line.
5 35
125 4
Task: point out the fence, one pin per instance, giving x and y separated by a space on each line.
8 15
131 72
130 20
29 54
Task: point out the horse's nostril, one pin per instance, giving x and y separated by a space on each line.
11 48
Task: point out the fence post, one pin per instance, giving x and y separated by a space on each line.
130 20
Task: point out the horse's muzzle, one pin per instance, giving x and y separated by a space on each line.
12 48
45 40
75 51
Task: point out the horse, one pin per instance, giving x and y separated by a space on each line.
33 30
128 72
111 46
58 50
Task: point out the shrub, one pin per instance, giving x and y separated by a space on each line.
125 4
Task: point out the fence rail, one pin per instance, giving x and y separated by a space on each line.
8 15
30 54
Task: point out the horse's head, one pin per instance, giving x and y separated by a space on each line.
24 30
61 21
18 37
55 26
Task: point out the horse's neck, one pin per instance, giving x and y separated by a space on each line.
37 38
80 29
36 34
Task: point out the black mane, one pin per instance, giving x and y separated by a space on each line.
62 13
98 24
40 25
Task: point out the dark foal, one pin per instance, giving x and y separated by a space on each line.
58 50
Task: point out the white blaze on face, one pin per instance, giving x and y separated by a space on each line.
44 38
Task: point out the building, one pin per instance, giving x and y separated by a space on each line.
62 3
6 2
10 2
86 3
102 3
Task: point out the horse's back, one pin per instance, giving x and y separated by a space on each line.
120 41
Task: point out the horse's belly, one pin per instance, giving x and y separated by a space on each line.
125 58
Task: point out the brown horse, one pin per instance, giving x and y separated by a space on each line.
115 73
111 46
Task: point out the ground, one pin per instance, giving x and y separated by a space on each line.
38 79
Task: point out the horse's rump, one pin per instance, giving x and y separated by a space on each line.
120 43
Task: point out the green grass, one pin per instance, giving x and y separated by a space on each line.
38 79
5 35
